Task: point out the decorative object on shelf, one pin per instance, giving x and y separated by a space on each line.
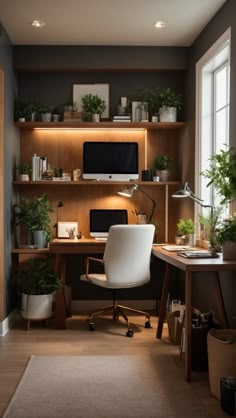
129 191
64 228
92 106
26 111
33 214
76 174
186 229
100 90
36 283
162 164
169 103
56 114
147 175
25 171
45 112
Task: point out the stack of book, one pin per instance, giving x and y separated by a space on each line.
121 119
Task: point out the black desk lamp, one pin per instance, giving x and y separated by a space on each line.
129 191
59 205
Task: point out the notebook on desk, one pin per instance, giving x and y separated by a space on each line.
175 247
197 254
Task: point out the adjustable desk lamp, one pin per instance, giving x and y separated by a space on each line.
129 191
187 192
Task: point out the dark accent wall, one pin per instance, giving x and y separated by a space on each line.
11 152
224 19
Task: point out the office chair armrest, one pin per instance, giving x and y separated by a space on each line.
88 259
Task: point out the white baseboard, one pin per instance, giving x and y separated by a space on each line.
83 306
7 323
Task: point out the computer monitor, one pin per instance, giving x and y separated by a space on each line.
102 219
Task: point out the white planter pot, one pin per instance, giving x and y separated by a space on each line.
190 239
24 177
96 117
36 306
168 114
229 250
46 117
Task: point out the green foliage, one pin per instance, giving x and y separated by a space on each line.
24 168
227 232
37 277
25 109
185 226
168 98
162 162
222 174
93 104
34 214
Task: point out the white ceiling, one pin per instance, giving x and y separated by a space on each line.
107 22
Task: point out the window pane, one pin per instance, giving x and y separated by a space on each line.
221 88
221 126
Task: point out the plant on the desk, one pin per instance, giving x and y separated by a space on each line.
227 238
33 214
36 283
186 229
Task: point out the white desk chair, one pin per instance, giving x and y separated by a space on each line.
126 264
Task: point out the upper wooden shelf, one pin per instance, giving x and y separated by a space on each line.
97 183
101 125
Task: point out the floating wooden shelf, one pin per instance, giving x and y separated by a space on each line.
101 125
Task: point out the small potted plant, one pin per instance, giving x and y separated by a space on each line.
186 230
93 106
45 112
19 111
24 171
162 164
33 214
169 103
226 237
37 282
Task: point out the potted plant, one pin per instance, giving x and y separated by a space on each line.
226 237
19 111
33 214
24 171
186 230
162 164
45 112
222 174
169 103
93 106
37 282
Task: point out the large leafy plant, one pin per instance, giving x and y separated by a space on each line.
222 174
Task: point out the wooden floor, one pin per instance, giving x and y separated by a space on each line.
109 338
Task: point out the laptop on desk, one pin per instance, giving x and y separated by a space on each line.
100 220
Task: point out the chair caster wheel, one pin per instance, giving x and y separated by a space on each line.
92 327
148 324
129 333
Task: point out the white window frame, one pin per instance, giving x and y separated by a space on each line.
213 59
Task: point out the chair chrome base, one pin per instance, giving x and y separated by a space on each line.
118 310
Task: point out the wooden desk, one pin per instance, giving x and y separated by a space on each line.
190 266
61 247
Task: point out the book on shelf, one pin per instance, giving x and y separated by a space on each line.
121 119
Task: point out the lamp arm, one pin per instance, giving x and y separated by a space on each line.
149 197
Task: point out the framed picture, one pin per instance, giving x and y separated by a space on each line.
64 228
102 90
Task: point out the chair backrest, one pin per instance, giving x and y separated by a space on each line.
127 254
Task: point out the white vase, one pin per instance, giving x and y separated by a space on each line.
190 239
46 117
96 117
36 306
24 177
168 114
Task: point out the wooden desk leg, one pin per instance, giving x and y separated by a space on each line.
220 301
188 324
59 320
164 294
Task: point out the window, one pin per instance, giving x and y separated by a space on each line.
212 117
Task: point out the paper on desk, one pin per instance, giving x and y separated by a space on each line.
175 247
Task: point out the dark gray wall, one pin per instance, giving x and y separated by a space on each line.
224 19
11 151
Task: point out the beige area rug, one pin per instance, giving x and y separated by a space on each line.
102 387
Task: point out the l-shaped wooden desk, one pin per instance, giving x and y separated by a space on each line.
190 266
61 247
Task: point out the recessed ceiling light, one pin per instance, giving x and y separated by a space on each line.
160 24
38 23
